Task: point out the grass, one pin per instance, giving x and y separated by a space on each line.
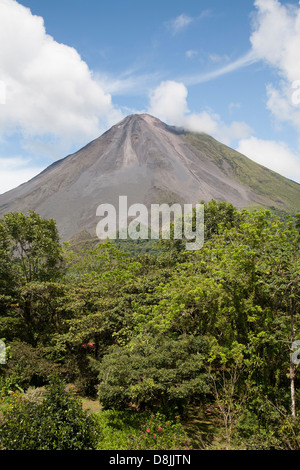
91 406
200 428
118 428
279 192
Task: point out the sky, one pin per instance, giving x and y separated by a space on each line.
70 69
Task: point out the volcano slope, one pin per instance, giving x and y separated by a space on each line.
150 163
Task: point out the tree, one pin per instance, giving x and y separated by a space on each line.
32 246
225 371
154 371
31 260
243 286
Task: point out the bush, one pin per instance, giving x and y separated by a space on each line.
27 365
57 423
154 372
274 429
158 433
129 430
118 428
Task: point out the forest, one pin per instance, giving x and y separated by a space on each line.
147 346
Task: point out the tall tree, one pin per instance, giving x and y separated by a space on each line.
31 254
33 244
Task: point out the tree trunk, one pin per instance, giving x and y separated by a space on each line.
292 365
292 379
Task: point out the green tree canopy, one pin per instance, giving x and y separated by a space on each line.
30 246
154 371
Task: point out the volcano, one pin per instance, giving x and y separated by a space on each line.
150 162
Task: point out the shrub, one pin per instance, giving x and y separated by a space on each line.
27 366
154 372
118 428
158 433
57 423
34 395
129 430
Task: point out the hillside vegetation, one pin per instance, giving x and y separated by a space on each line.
277 192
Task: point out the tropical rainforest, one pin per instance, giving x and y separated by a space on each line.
149 346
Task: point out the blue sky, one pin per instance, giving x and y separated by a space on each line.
70 69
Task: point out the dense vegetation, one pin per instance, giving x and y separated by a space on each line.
181 349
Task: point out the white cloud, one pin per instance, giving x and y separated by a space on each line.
130 82
190 54
247 59
179 23
274 155
228 134
276 41
232 106
216 58
168 102
15 171
211 123
276 36
204 121
2 92
49 88
280 103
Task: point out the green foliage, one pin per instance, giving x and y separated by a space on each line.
139 247
217 215
27 366
33 246
159 433
93 262
129 430
31 262
118 428
273 428
270 186
58 423
154 371
162 332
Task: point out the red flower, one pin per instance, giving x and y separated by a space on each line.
148 430
88 345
